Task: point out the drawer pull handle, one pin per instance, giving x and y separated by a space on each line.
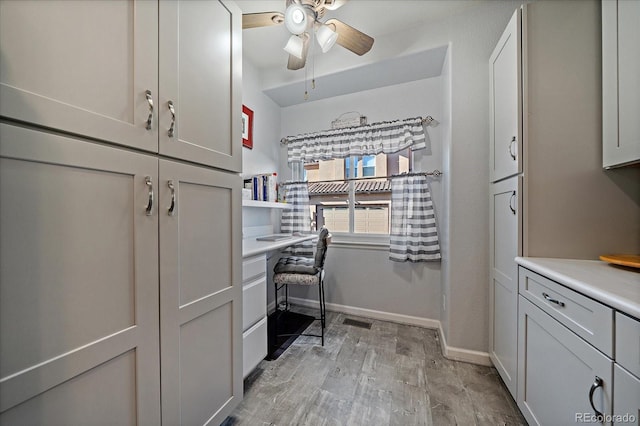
172 207
597 383
512 203
511 143
147 94
172 110
552 300
149 182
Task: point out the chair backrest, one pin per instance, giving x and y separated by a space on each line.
324 237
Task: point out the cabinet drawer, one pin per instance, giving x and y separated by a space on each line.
254 346
253 267
628 343
587 318
254 302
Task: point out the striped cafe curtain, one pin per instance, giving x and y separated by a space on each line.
297 217
414 236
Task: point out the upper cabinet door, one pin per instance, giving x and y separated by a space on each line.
620 83
200 75
81 67
506 102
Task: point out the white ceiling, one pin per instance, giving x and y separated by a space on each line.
339 68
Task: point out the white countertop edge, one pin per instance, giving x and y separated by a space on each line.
251 246
549 268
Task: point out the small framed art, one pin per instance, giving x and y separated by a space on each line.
247 127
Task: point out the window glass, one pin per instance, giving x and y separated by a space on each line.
353 195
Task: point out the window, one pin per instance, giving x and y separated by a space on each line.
353 195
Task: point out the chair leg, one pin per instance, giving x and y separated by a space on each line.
286 297
275 288
322 310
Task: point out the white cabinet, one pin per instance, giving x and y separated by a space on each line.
559 374
620 82
109 71
254 313
503 290
121 276
200 293
505 73
545 91
78 283
201 75
79 228
626 395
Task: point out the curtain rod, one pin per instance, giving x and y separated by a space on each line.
435 173
428 120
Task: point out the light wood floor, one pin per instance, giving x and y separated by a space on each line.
391 374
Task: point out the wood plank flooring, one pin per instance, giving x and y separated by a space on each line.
391 374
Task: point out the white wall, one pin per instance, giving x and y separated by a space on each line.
472 37
366 278
265 155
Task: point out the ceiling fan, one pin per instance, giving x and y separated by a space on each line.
301 17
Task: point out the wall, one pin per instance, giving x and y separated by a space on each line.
361 277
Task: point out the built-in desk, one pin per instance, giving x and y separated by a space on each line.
252 247
254 296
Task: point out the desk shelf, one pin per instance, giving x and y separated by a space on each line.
263 204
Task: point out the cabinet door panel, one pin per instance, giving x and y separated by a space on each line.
503 290
200 73
506 102
201 294
626 396
620 83
556 370
81 67
78 281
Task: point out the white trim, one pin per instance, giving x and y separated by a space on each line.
464 355
370 313
449 352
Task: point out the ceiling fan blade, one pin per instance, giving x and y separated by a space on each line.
333 4
350 38
296 63
263 19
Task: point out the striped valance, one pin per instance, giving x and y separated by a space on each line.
385 137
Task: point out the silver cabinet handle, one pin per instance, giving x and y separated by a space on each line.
172 207
150 102
596 384
149 182
511 203
552 300
513 156
173 119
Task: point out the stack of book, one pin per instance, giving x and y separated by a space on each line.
263 187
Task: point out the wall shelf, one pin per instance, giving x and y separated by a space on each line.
263 204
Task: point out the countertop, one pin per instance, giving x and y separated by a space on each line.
614 286
251 246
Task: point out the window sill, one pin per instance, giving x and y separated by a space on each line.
361 241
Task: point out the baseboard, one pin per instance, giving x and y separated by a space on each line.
460 354
450 352
370 313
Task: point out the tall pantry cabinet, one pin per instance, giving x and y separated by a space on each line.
120 248
549 196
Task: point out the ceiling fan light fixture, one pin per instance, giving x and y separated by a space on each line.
296 19
326 37
295 46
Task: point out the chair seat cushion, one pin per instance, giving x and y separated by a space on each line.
297 265
298 279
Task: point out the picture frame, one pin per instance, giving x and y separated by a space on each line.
247 127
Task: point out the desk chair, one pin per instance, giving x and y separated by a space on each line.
296 270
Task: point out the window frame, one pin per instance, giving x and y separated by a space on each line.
352 238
